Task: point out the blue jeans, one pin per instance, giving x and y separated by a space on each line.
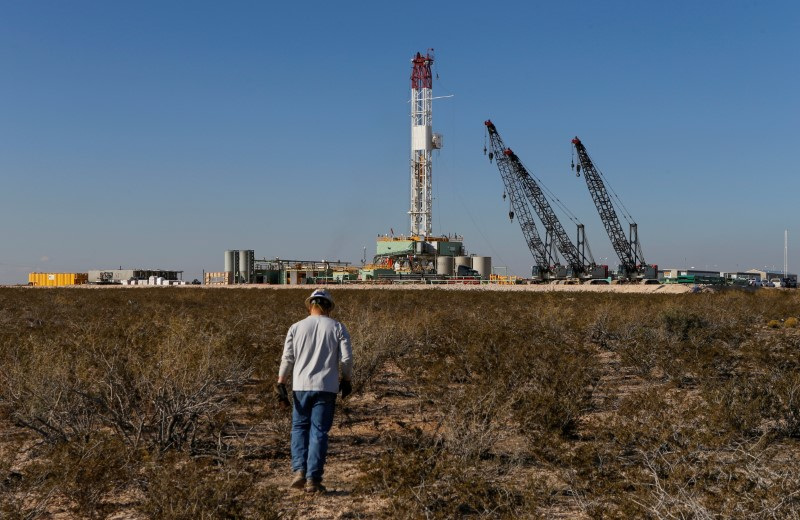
312 418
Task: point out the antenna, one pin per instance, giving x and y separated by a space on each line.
785 252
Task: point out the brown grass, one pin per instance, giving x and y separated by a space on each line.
156 404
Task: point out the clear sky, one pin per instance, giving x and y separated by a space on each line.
159 134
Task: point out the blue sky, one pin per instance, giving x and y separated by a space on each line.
159 134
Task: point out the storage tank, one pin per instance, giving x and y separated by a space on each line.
444 265
230 261
482 264
463 260
246 260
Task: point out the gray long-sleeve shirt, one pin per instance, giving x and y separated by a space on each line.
313 350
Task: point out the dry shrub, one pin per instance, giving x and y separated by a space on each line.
679 322
644 349
421 479
550 377
791 322
23 495
650 436
88 473
376 340
602 332
164 387
785 391
551 389
178 487
472 421
741 404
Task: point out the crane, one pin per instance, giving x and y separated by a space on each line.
628 249
575 257
542 253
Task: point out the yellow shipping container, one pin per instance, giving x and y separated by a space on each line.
57 279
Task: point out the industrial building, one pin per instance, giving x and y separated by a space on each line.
118 276
762 276
742 278
673 273
241 267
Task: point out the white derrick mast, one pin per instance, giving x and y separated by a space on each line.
423 142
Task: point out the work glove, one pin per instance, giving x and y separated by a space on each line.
281 394
345 387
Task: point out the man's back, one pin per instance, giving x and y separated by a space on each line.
315 346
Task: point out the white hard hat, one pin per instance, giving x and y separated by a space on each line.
320 293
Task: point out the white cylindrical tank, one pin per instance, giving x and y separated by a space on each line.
482 264
230 261
444 265
246 258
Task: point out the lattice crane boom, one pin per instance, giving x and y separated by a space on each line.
541 253
519 175
628 249
573 258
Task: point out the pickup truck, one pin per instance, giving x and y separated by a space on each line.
463 270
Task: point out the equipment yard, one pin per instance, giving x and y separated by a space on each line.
519 402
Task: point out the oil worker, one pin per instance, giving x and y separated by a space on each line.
315 347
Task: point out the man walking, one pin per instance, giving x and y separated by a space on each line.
312 353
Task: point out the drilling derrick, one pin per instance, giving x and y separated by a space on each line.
423 142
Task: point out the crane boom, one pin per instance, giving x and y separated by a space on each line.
516 171
628 249
540 252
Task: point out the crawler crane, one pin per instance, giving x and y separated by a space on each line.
633 266
518 180
542 253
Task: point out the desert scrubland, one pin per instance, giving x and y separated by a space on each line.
157 403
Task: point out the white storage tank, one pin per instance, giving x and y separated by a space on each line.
444 265
230 261
246 261
482 264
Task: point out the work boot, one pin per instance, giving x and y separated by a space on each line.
315 486
299 479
